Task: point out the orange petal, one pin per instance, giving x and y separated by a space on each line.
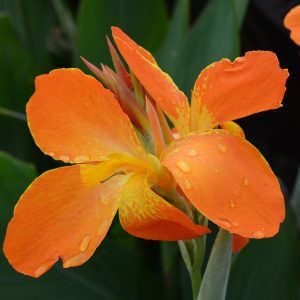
226 90
73 118
63 214
233 128
292 22
146 215
227 180
238 243
158 84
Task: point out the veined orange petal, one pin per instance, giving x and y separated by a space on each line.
238 243
63 214
145 214
72 117
228 180
226 90
233 128
292 22
158 84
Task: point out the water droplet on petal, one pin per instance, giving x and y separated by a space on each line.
236 192
81 158
64 157
234 224
184 167
85 243
222 148
103 227
216 170
41 270
187 184
192 153
258 234
232 203
105 200
224 223
74 261
245 181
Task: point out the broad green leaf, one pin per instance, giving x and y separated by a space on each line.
268 268
33 21
168 52
214 283
145 21
17 72
114 272
214 35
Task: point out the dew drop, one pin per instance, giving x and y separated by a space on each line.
187 184
192 153
222 148
234 224
105 200
258 234
81 158
216 170
102 227
41 270
232 203
85 243
64 157
224 223
75 260
245 181
184 167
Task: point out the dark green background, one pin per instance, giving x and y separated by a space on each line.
185 36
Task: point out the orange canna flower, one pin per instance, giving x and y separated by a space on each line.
292 22
66 212
223 175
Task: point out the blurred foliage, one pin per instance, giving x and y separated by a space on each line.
185 36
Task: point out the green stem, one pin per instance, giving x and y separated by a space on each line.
192 252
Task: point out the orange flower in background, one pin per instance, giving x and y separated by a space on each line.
223 175
66 212
292 22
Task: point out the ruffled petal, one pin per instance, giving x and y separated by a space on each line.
292 22
226 90
158 84
228 180
73 118
65 213
145 214
238 243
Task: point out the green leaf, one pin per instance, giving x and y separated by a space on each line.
214 35
214 283
33 21
114 272
145 21
268 268
168 52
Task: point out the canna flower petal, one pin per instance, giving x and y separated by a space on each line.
238 243
72 117
292 22
158 84
65 213
228 181
226 90
145 214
